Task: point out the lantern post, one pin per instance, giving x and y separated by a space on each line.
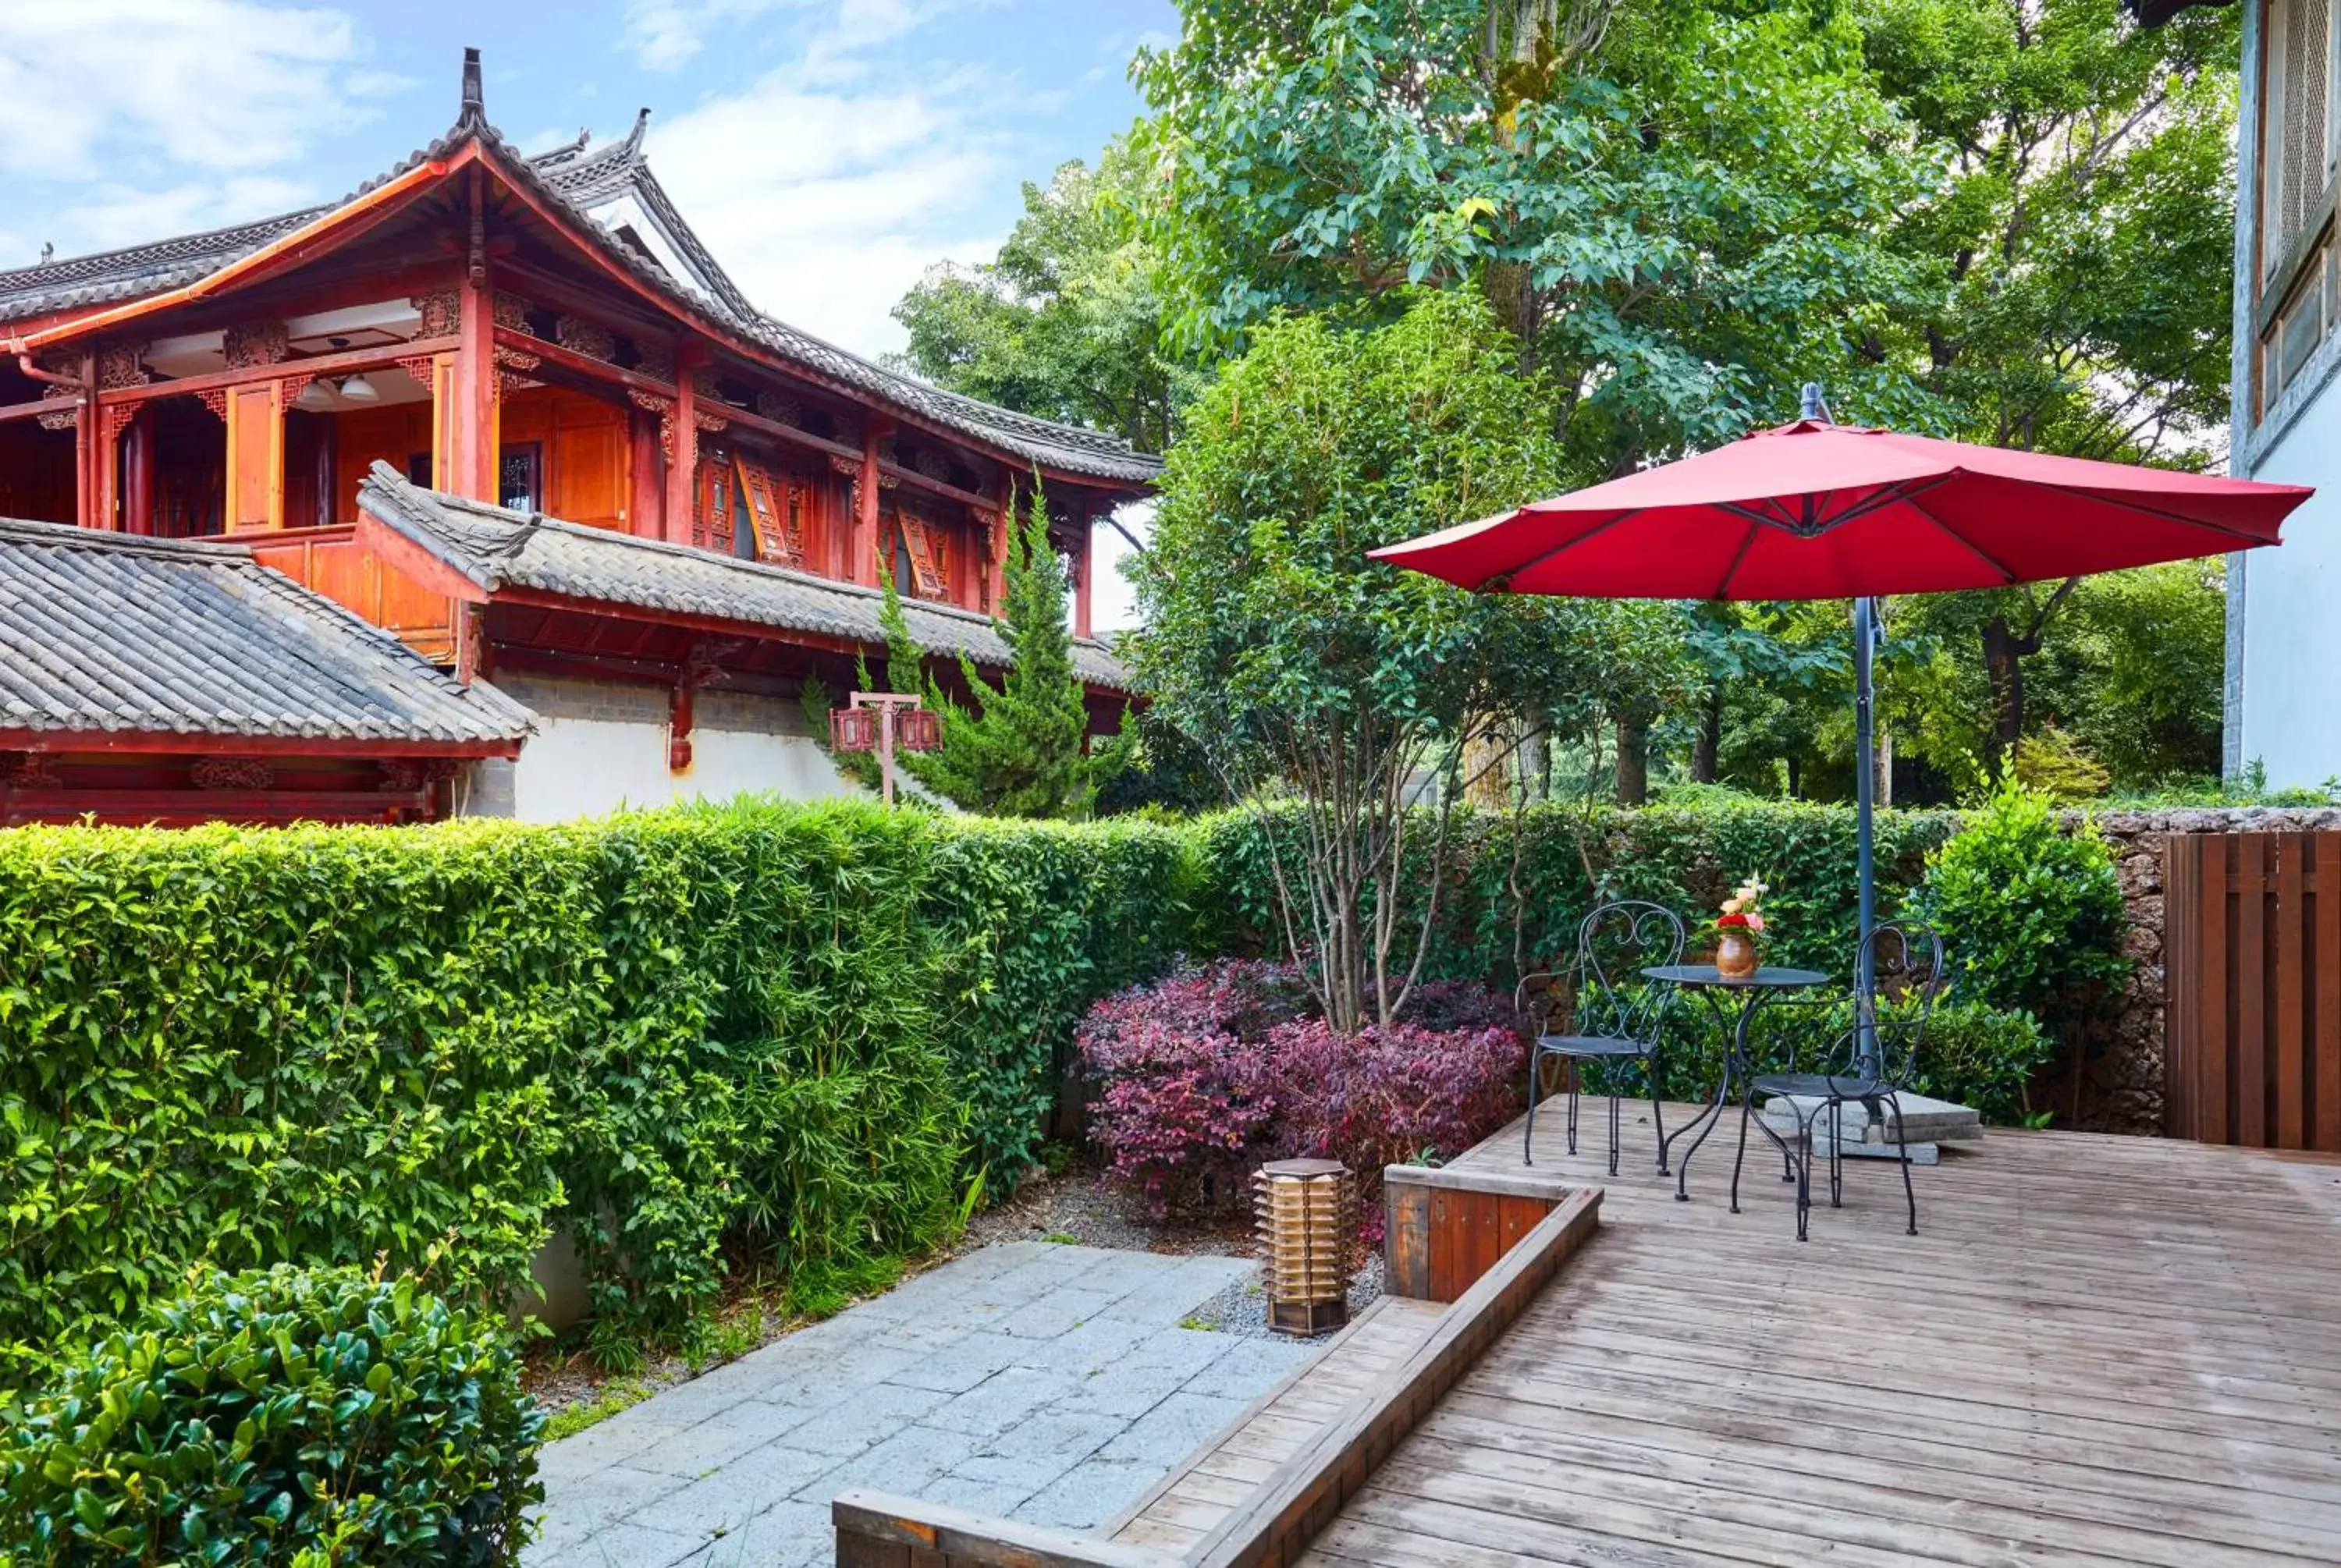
883 722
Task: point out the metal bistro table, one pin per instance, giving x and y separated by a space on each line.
1753 991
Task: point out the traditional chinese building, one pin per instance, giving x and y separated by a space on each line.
511 410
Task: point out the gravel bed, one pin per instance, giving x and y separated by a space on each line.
1076 1205
1243 1307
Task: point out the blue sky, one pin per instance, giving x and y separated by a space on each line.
828 150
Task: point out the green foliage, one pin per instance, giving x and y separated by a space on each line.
2084 230
284 1418
1679 212
1020 752
1983 1058
1294 662
1066 321
2032 915
772 1034
1519 883
2052 762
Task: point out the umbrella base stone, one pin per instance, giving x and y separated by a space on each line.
1927 1124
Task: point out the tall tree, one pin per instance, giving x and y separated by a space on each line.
1679 211
2084 230
1311 674
1066 321
1022 751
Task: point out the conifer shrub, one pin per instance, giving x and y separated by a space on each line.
280 1417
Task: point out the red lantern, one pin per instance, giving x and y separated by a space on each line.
917 729
853 730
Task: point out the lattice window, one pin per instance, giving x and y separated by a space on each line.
2302 132
2296 152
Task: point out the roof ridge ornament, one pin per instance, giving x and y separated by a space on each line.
474 114
641 124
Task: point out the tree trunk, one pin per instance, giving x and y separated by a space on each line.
1710 739
1885 778
1633 763
2003 664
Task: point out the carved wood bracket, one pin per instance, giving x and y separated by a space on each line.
665 408
512 366
256 344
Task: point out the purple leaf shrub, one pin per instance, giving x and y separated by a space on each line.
1209 1072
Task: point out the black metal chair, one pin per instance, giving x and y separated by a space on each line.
1617 1016
1872 1063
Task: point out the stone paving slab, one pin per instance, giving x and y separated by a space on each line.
1040 1382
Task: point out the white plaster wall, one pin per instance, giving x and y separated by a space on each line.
584 767
2291 635
598 746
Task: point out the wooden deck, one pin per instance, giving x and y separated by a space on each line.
1202 1493
2097 1350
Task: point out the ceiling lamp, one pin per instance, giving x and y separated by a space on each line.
317 397
357 388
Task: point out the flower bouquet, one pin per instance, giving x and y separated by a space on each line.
1737 928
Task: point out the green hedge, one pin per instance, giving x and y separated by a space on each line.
772 1035
1551 864
792 1031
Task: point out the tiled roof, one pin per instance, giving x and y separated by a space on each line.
103 633
575 180
498 549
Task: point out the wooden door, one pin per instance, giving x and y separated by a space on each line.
255 456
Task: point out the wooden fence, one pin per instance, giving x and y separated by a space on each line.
2251 957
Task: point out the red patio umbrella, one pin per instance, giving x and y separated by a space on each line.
1817 510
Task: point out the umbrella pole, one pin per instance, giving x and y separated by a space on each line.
1864 793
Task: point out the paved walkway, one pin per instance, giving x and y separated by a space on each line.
1046 1382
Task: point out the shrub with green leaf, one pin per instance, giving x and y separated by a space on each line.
2031 915
282 1417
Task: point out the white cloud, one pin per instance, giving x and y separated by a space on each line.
827 206
109 215
217 86
667 34
670 33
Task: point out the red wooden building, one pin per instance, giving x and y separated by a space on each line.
546 336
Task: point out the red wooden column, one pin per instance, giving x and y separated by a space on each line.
138 473
1003 540
1084 559
466 417
861 548
682 440
646 467
89 488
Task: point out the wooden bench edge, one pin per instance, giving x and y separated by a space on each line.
879 1529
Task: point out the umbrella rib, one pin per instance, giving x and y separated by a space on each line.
1886 495
1963 542
1754 526
2154 512
1536 561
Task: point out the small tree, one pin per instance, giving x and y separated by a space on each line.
1018 751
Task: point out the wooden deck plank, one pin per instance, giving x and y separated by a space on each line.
2097 1351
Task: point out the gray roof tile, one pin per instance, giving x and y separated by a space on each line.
576 179
103 632
498 549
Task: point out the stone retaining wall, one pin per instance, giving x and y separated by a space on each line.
2123 1083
